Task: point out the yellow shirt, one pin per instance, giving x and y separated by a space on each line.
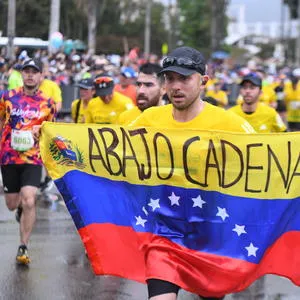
210 118
292 100
51 89
102 113
220 96
264 120
81 112
210 84
128 116
268 95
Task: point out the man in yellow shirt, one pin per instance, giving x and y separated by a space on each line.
262 117
106 108
185 78
149 89
217 94
267 95
292 100
52 90
79 106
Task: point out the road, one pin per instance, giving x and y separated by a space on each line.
60 269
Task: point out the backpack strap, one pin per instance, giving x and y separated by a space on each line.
77 111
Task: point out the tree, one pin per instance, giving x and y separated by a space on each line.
218 23
203 24
116 21
32 18
94 10
54 18
195 24
11 29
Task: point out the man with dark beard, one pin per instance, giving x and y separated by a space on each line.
150 89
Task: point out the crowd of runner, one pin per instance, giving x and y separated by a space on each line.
135 92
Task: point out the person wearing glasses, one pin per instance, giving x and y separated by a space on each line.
262 117
106 108
184 71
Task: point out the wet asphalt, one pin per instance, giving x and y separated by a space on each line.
61 270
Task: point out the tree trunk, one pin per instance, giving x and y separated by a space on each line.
11 29
54 18
218 23
147 36
297 50
92 23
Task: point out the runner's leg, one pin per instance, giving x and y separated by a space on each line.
27 196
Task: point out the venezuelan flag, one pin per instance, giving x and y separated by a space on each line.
208 211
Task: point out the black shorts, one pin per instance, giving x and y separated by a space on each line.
158 287
14 177
294 126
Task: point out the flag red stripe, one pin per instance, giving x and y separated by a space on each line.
120 251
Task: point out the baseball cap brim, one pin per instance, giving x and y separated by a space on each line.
179 70
254 81
31 66
104 91
83 86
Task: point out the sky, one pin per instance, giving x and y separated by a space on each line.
259 10
256 10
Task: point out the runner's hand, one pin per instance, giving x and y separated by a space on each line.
36 131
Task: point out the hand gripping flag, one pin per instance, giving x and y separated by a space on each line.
208 211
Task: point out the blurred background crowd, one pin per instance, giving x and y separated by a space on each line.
80 39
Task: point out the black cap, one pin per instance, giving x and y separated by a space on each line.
33 63
253 78
86 83
185 61
104 85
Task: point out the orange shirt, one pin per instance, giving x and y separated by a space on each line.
129 91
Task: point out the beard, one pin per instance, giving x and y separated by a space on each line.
31 87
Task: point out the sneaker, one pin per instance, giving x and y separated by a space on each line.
47 185
19 213
22 255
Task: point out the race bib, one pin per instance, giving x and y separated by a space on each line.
21 140
294 105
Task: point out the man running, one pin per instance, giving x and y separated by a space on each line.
21 165
262 117
185 78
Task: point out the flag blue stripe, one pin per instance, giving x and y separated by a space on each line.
92 199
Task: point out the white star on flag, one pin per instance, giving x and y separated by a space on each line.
198 202
251 250
174 199
140 221
154 203
239 229
222 213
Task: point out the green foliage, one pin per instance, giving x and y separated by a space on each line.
32 18
73 21
195 27
118 21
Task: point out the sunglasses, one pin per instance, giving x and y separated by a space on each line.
180 61
103 79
